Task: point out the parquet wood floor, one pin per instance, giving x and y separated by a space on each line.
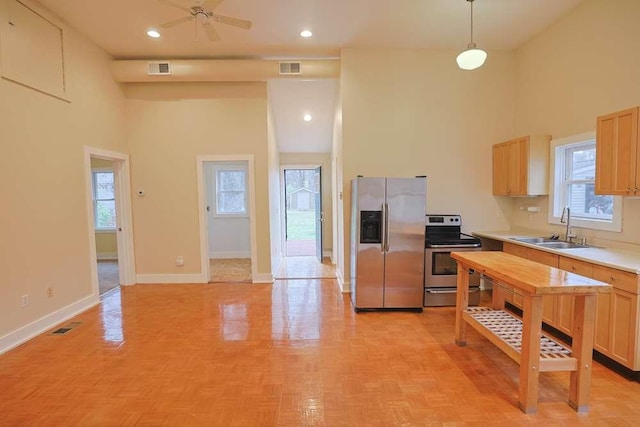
305 267
289 354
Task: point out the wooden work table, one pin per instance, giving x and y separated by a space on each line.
522 340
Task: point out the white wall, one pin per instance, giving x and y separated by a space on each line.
274 195
408 112
584 65
44 222
168 126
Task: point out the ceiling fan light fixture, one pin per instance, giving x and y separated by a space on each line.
153 33
472 57
306 34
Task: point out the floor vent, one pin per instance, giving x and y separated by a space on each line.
65 329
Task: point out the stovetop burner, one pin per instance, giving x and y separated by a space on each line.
446 230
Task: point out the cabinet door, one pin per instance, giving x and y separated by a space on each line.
622 343
518 167
602 339
564 304
501 170
624 326
616 153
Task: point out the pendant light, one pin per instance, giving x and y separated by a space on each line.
473 57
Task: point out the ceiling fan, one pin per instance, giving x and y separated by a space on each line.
202 11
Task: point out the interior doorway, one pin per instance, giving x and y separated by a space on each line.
110 225
303 212
227 223
105 219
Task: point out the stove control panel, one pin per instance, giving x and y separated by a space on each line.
444 220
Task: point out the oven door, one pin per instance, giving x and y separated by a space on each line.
441 271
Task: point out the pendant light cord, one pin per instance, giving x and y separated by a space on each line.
472 43
471 21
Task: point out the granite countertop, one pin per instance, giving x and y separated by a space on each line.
609 257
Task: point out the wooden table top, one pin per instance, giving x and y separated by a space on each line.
529 276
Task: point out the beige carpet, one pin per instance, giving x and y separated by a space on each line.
108 276
230 270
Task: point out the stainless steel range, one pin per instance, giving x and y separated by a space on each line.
443 236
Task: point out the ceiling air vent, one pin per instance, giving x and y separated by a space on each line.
290 68
159 68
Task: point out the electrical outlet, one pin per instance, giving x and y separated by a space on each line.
50 292
24 300
179 261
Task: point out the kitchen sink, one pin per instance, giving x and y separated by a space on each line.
561 245
546 242
533 240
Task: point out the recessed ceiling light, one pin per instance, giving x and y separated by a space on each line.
307 117
306 34
153 33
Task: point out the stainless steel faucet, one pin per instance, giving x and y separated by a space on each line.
566 219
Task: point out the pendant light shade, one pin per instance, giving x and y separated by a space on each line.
473 57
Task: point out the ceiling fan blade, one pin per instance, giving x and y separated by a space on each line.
176 5
240 23
177 21
211 4
211 33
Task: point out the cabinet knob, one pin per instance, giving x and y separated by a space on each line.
612 279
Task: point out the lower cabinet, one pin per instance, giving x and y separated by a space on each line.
617 323
617 318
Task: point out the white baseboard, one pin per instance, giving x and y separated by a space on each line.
345 287
263 278
229 254
107 256
170 278
275 268
25 333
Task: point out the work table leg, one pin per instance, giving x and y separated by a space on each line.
462 302
530 353
582 349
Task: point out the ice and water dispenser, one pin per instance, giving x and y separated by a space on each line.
370 226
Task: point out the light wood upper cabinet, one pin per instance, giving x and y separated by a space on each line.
618 154
521 166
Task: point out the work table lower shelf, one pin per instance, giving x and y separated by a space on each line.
504 330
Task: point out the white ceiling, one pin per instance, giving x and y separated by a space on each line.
119 27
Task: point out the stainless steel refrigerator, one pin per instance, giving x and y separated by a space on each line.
387 242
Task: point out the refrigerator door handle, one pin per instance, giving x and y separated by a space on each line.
386 227
383 225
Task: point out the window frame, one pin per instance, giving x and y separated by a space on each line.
557 192
98 229
230 168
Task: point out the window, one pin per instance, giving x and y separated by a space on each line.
104 203
231 193
573 175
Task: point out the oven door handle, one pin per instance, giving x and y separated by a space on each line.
431 245
451 291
